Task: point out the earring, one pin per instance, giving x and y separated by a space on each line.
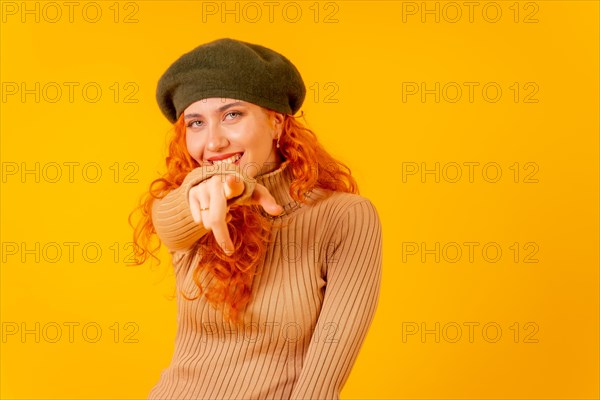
278 137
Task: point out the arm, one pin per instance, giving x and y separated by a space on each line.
171 215
351 298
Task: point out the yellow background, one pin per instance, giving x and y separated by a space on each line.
362 58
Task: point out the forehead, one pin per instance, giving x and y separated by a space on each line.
215 103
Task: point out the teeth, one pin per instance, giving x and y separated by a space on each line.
229 160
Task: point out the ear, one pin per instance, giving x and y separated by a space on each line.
277 123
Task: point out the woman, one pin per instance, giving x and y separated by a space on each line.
277 258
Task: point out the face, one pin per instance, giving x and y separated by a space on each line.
233 131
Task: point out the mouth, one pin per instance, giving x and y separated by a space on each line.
234 159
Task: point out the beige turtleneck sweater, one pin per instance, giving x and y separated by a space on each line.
311 307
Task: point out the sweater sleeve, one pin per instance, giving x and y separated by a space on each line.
171 215
351 298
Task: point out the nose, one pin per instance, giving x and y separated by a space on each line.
216 138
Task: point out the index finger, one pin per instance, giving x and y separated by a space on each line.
218 210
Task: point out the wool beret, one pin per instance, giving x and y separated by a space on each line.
229 68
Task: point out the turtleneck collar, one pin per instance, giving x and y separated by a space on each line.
278 183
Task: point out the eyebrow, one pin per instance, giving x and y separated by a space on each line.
219 110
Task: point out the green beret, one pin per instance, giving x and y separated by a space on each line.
229 68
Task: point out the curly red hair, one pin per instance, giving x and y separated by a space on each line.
311 167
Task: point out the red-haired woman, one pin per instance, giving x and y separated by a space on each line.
277 258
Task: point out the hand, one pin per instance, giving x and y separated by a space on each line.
212 194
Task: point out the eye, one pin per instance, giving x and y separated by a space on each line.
194 123
235 113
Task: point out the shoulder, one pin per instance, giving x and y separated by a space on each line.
351 233
342 210
342 202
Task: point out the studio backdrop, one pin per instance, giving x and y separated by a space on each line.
472 126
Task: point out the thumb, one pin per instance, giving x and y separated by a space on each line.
266 200
233 186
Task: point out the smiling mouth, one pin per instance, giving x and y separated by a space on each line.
234 159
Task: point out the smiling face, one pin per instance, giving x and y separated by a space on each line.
233 131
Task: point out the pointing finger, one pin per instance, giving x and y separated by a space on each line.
218 214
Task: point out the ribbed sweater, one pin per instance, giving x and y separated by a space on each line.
311 307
